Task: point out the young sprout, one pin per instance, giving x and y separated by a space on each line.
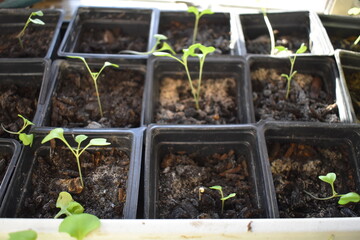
67 205
198 15
191 51
292 59
77 151
35 21
26 139
159 38
23 235
271 31
357 41
223 199
344 198
95 75
79 225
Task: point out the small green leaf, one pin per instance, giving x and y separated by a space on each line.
349 197
166 47
80 138
75 208
281 48
38 13
302 49
26 122
354 11
79 225
26 139
23 235
67 205
64 199
194 10
206 50
81 58
160 37
99 142
329 178
55 133
216 188
37 21
162 54
228 196
206 11
107 64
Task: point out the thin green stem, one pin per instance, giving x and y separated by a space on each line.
271 32
357 40
79 169
193 91
195 29
326 198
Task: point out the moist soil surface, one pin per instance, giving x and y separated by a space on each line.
4 163
345 43
36 42
307 100
182 174
296 167
180 35
104 174
353 82
14 100
74 103
97 39
217 102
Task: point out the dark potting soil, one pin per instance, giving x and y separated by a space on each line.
74 103
105 174
36 42
217 102
97 39
209 34
181 176
16 100
307 100
4 163
353 82
296 167
262 45
345 43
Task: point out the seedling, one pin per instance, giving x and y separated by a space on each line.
67 205
79 225
292 59
35 21
95 75
26 139
344 198
198 15
59 134
271 32
355 11
191 51
23 235
223 199
159 38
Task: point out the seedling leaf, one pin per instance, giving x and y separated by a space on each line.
281 48
193 9
349 197
228 196
107 64
79 225
55 133
23 235
302 49
67 205
206 11
27 139
80 138
38 13
216 188
37 21
99 142
162 54
160 37
26 122
329 178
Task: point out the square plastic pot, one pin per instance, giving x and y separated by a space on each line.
252 27
321 66
348 63
342 31
64 71
21 185
13 20
201 142
214 67
133 23
20 78
12 150
313 149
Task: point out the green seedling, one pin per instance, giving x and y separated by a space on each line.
67 205
29 20
159 38
357 40
292 59
271 31
95 75
191 51
344 198
77 151
355 11
198 15
26 139
223 199
23 235
79 225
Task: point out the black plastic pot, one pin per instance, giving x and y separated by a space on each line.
303 23
11 149
20 74
62 69
128 141
349 68
319 66
342 31
214 67
205 141
337 150
133 22
13 20
181 25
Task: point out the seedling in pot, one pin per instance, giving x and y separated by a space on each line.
344 198
77 151
67 205
95 75
292 59
271 31
79 225
159 37
198 15
26 139
191 51
30 19
223 199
